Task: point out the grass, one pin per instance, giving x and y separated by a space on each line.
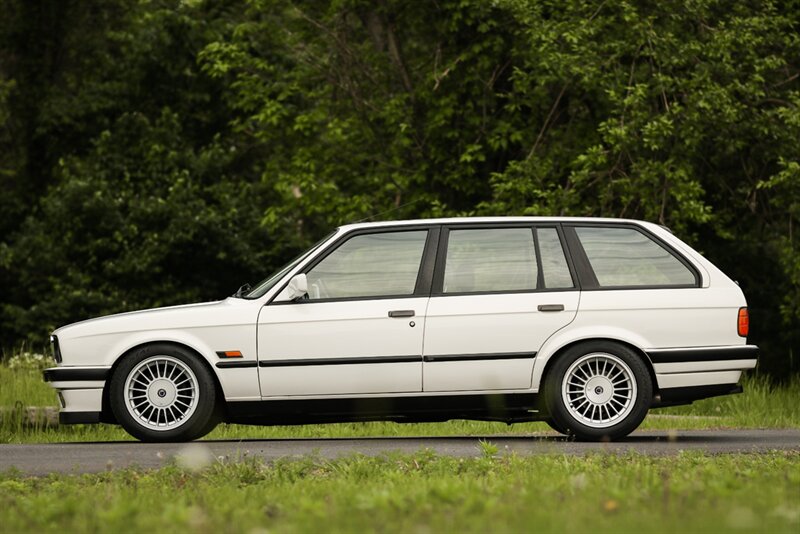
763 405
691 492
421 493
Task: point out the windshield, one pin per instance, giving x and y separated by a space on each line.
265 285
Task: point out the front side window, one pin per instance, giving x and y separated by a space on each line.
486 260
370 265
625 257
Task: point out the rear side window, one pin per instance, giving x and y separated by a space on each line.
555 270
481 260
625 257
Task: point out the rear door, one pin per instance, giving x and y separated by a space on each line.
498 293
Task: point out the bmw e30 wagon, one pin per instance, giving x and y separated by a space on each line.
584 323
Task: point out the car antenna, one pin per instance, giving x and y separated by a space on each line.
365 219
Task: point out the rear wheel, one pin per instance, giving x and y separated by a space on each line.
555 426
598 390
163 393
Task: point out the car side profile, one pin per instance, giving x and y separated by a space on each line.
585 323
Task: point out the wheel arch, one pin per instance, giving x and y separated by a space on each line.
107 416
540 373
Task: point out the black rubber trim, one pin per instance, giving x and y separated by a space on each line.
586 271
583 268
417 408
302 362
66 374
671 396
236 364
56 349
745 352
78 418
474 357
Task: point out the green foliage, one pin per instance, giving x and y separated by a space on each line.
421 492
161 152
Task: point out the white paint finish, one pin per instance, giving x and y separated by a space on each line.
340 379
490 324
348 329
693 367
486 375
647 319
652 319
681 380
667 318
205 328
82 400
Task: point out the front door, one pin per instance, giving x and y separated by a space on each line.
360 329
498 294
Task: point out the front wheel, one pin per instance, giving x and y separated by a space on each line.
598 390
163 393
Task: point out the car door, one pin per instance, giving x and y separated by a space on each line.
498 293
359 331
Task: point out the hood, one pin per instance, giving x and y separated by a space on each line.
182 316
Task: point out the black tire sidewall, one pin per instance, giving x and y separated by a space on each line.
561 416
199 423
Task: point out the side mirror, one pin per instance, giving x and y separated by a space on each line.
297 287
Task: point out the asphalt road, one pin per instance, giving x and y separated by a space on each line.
40 459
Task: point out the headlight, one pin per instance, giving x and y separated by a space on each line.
56 348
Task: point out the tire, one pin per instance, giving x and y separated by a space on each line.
598 391
555 426
163 393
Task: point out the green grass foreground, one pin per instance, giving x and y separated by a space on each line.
421 493
763 405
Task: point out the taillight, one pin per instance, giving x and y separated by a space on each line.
743 324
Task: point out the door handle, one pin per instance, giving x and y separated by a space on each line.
401 313
551 307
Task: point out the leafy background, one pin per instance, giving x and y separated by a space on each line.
158 152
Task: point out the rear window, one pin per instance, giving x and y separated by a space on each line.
625 257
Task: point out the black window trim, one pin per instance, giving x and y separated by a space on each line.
422 286
441 257
586 274
576 284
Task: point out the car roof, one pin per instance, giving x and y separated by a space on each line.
487 220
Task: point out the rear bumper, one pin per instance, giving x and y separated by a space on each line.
697 367
77 418
689 374
677 396
80 392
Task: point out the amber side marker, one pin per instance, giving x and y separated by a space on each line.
743 323
229 354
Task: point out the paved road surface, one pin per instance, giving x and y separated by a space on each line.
94 457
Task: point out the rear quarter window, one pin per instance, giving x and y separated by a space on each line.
626 257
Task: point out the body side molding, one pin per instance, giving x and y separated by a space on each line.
66 374
701 354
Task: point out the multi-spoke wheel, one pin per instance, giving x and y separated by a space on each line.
598 390
163 393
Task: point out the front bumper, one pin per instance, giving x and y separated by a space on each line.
80 392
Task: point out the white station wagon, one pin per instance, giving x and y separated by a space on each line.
584 323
